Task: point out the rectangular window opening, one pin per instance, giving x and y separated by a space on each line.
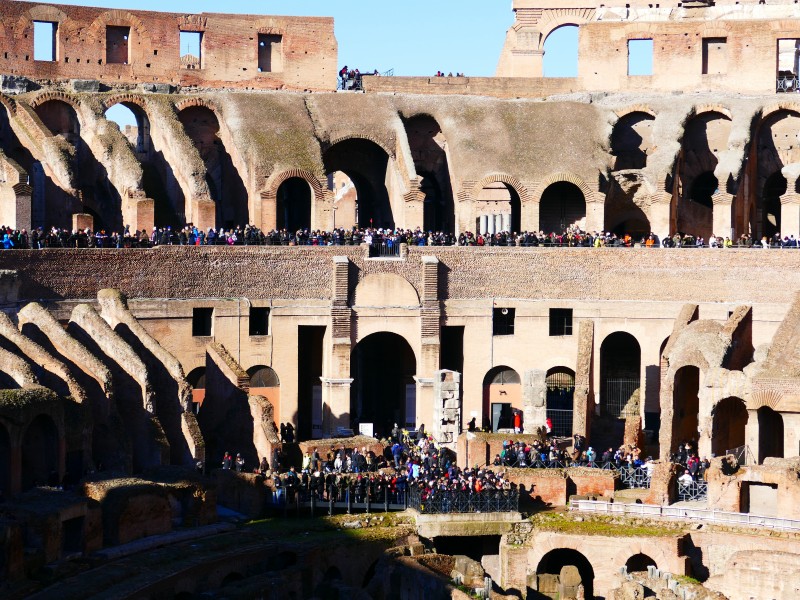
191 50
270 53
202 322
715 56
560 321
118 45
259 320
503 321
45 41
640 57
788 65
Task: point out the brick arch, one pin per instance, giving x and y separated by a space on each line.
640 31
41 12
719 29
190 102
629 110
553 19
360 136
519 187
761 398
276 179
96 31
777 107
701 109
43 97
268 27
588 193
9 104
122 98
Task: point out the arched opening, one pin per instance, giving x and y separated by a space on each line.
620 375
366 164
703 189
727 429
224 181
294 205
97 195
562 206
428 149
502 394
345 201
638 563
774 187
383 366
686 404
498 208
770 434
197 379
158 179
5 463
264 382
632 141
40 453
556 574
561 52
560 393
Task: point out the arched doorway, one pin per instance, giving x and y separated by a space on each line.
638 563
632 141
686 404
428 144
264 382
562 206
5 463
561 52
774 188
550 569
366 164
770 434
197 379
502 394
40 453
620 375
728 425
224 180
158 178
560 393
293 211
383 392
498 208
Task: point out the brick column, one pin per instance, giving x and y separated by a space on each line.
428 361
336 382
595 212
723 222
790 215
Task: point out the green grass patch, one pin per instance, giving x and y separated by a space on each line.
603 526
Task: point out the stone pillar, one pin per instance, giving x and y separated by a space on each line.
447 407
507 222
790 215
583 398
751 436
498 223
336 382
660 221
426 402
203 213
723 223
595 212
145 216
322 210
490 225
336 399
534 396
704 420
484 219
530 216
82 221
430 325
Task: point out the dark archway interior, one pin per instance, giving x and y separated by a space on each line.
293 211
630 141
197 378
475 547
263 377
729 421
774 188
638 563
224 181
555 560
5 462
686 404
365 163
560 395
562 205
620 374
383 366
770 434
40 453
704 187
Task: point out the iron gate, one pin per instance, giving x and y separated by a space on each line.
560 395
622 397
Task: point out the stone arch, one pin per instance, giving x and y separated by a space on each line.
39 12
41 453
562 206
262 376
45 96
550 572
361 136
196 378
385 289
269 196
770 434
576 180
620 375
702 109
520 188
686 404
9 104
554 19
639 562
502 396
634 108
383 367
195 101
96 31
126 99
768 398
497 203
561 51
729 419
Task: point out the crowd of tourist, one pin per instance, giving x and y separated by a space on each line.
695 468
390 238
450 74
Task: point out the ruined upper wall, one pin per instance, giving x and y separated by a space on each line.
697 46
131 46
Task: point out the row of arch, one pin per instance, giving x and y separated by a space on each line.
35 457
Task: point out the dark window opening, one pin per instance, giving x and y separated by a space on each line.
45 41
118 45
560 321
503 321
202 320
259 321
715 56
270 53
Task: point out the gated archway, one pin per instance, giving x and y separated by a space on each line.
686 404
620 375
560 392
502 394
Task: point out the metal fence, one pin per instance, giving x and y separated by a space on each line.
440 502
694 491
633 478
786 84
680 512
561 420
622 397
383 249
742 454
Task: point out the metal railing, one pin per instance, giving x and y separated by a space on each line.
742 454
384 249
695 491
678 512
786 84
561 420
633 478
440 502
622 397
